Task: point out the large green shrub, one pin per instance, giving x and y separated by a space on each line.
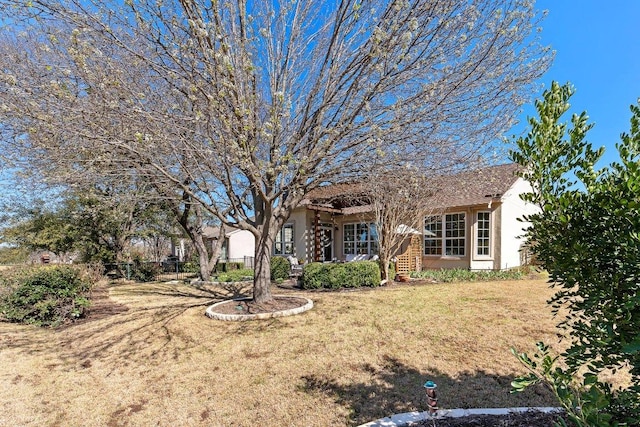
336 276
280 268
588 239
144 271
315 275
45 296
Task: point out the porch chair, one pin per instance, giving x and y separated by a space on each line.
296 268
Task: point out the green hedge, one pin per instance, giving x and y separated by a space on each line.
224 267
44 296
335 276
462 275
280 268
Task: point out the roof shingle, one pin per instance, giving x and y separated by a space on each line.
467 188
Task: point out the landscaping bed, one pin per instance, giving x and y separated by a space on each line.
518 419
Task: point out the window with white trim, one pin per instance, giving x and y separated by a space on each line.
445 235
360 239
483 233
454 237
284 241
433 235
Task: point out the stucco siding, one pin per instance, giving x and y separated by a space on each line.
514 208
241 243
300 231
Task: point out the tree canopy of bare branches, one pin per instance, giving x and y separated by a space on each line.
246 106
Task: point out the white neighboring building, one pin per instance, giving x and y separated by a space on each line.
238 246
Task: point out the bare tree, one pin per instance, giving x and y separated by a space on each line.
260 102
399 199
190 217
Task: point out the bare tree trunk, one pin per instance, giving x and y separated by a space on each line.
203 256
216 251
384 267
192 222
262 275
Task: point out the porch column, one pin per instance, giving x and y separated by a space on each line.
316 236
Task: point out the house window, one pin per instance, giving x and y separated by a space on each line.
360 239
433 235
452 241
284 241
483 233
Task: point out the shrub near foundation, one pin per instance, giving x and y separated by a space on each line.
336 276
48 296
280 268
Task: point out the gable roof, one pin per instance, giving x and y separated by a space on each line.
330 192
468 188
211 232
475 187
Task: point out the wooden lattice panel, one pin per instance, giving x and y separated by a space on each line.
411 259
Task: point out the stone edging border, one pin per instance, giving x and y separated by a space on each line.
259 316
407 418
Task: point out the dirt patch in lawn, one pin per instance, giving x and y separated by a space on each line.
101 305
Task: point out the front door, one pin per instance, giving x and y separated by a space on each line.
326 242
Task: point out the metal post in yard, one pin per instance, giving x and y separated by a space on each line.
432 399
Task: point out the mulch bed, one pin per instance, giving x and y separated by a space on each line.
516 419
250 307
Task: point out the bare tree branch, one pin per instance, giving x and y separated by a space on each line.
253 104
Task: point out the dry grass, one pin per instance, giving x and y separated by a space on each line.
355 357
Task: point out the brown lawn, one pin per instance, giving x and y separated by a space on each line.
148 356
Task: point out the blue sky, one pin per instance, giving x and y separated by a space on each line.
597 46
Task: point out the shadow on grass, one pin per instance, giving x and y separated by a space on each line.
147 326
212 293
396 388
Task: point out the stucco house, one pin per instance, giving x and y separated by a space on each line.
474 225
238 246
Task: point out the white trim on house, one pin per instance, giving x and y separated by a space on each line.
441 241
483 235
366 246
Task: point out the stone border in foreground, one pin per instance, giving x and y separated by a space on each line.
258 316
407 418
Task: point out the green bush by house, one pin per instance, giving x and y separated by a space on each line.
44 296
463 275
280 268
334 276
